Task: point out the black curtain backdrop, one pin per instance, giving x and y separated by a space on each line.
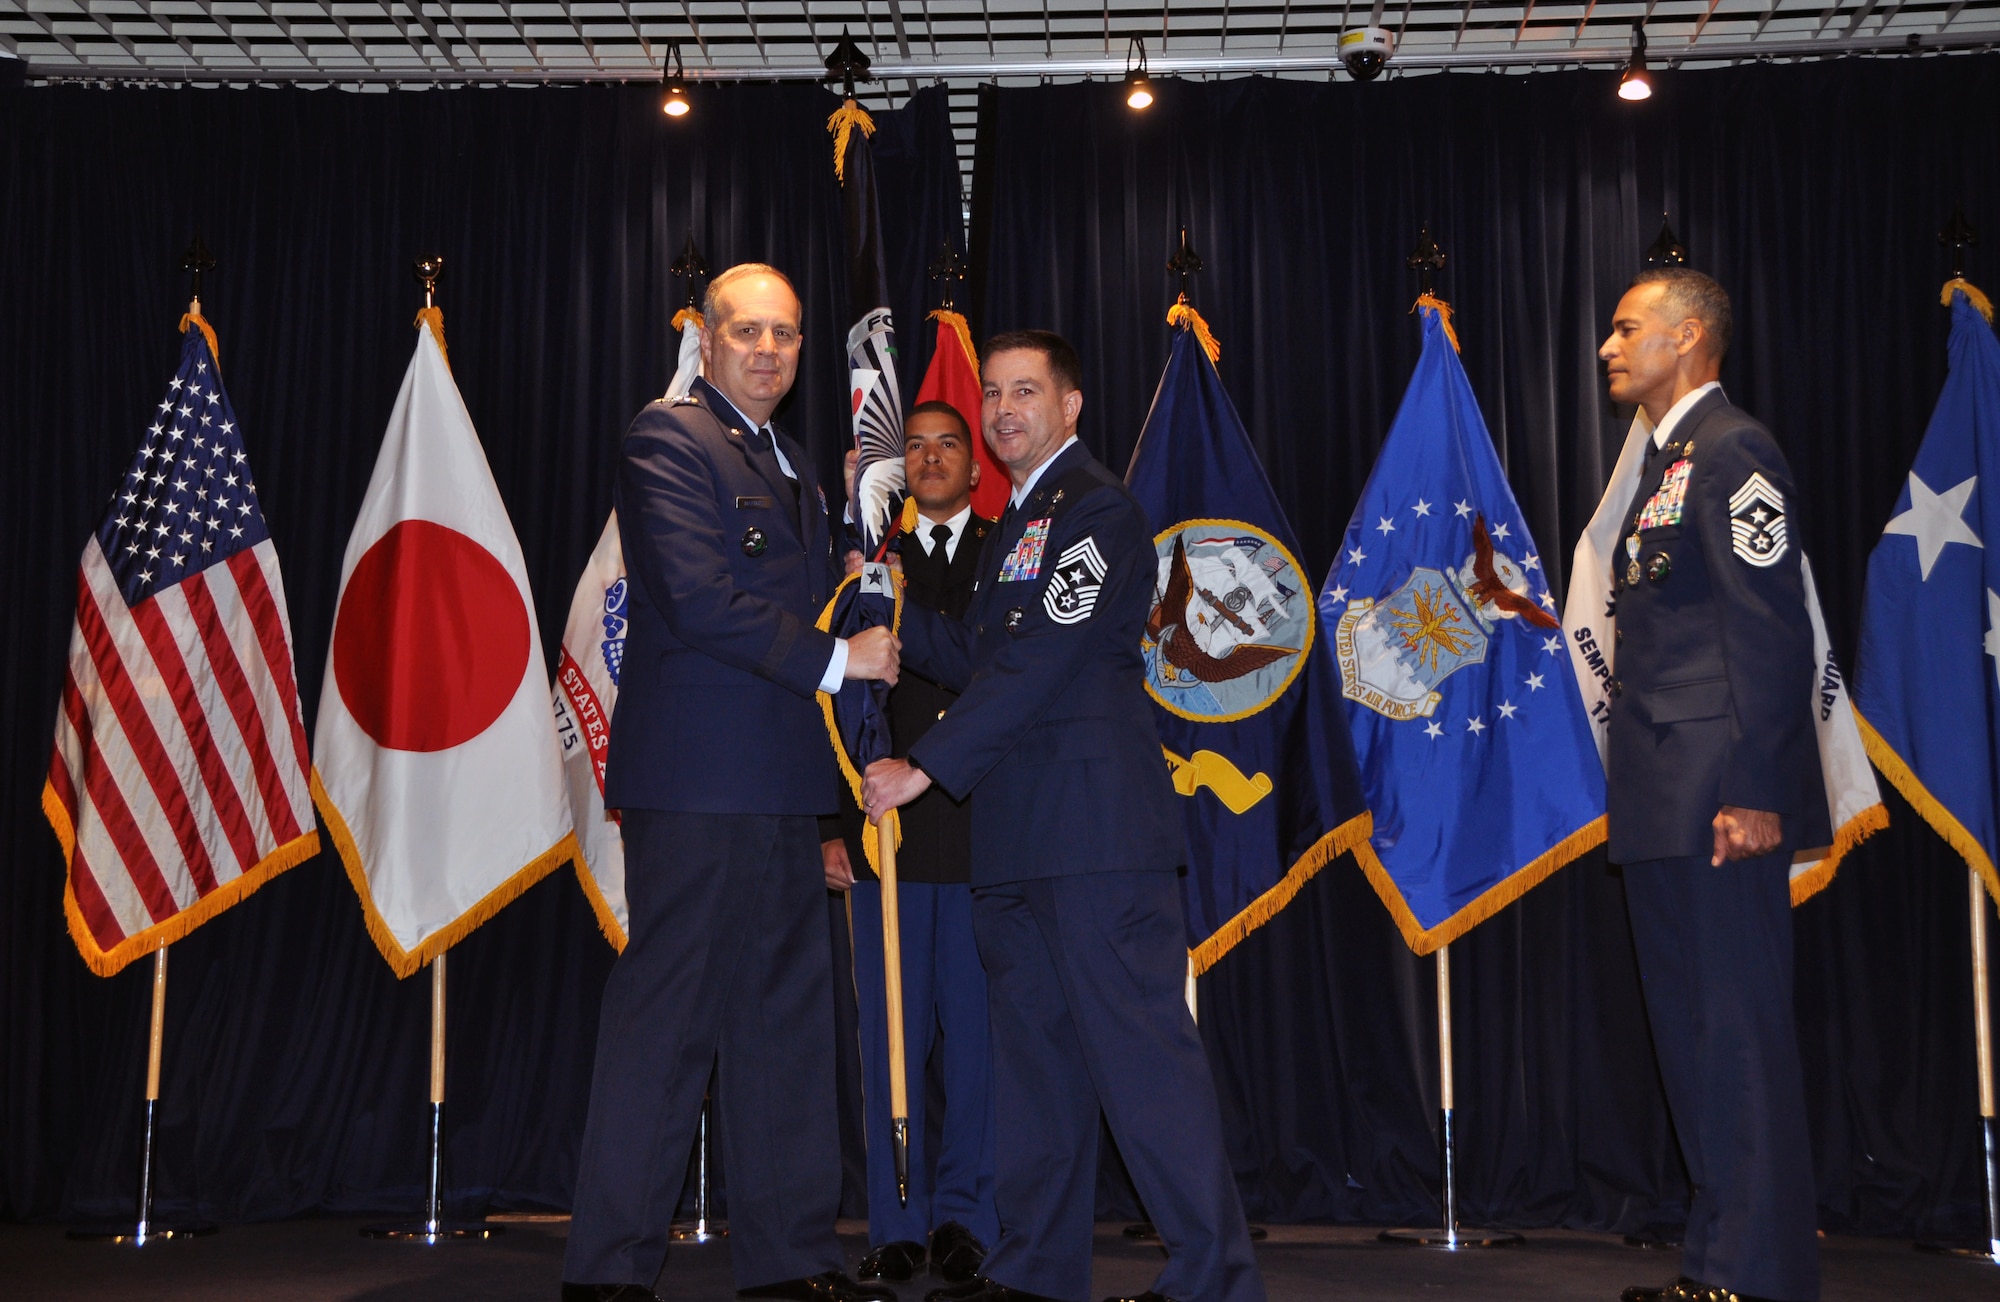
1814 193
295 1070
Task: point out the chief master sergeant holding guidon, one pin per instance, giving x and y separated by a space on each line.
1714 780
720 765
1075 845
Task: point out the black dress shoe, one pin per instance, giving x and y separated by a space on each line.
981 1289
1685 1290
956 1253
831 1286
1148 1296
608 1293
897 1261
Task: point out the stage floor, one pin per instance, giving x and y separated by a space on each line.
325 1260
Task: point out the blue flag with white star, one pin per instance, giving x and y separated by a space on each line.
1928 677
1476 756
1242 683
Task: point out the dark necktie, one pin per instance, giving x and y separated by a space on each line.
940 536
764 447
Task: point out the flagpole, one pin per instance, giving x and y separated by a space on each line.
1448 1238
702 1229
144 1230
1982 1039
892 976
434 1228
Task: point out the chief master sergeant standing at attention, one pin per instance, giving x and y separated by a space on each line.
720 765
1075 845
1714 779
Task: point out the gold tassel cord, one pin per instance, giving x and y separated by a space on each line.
1443 309
1960 285
825 624
682 319
845 118
956 323
1183 314
432 318
195 318
409 962
1496 898
1351 835
1928 806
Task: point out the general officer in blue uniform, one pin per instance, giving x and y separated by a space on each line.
721 765
949 1217
1714 780
1076 843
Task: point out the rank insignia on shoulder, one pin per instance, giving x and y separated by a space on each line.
1757 522
1057 498
1025 561
1079 577
686 400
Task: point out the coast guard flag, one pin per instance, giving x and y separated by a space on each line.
1475 753
178 782
435 760
1929 671
1244 689
586 694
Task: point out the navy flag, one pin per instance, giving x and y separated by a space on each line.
1244 689
1928 678
1475 752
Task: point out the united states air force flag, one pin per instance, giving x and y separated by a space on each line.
1475 754
1243 688
1928 678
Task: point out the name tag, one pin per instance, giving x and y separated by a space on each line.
749 503
1025 561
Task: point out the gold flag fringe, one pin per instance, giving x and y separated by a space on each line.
433 318
1443 309
108 962
1960 285
1852 833
1183 314
845 118
1497 897
1351 835
825 625
686 315
409 962
607 921
1932 810
944 316
195 318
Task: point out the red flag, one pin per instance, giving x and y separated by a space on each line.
954 378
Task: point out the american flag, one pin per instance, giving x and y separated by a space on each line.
178 783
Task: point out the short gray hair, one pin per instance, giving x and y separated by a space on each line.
1689 293
742 271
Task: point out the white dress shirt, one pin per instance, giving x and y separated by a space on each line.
1680 409
956 524
1021 493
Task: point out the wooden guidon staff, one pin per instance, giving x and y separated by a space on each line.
892 975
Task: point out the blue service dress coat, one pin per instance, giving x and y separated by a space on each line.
1712 706
720 763
1076 903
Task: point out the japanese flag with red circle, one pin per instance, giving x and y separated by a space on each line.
435 760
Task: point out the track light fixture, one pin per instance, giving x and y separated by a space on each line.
673 83
1138 87
1637 83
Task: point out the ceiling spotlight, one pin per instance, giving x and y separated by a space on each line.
673 82
1637 83
1138 87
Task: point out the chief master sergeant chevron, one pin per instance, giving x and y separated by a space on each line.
1714 779
1075 846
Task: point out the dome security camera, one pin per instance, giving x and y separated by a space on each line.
1365 50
